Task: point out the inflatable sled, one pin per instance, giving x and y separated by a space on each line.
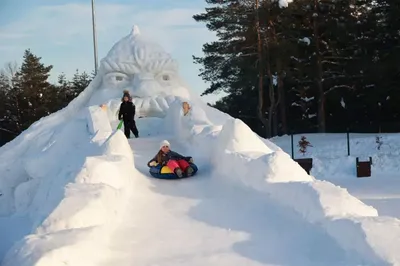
164 172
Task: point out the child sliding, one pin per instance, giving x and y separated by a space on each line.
178 163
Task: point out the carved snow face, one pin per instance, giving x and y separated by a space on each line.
145 70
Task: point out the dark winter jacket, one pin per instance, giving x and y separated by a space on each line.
171 155
127 111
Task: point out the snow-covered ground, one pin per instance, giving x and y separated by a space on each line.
197 221
332 163
76 192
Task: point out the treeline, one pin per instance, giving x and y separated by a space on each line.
27 95
309 66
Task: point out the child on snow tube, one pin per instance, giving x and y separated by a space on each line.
168 164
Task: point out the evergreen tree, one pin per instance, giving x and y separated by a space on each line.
9 121
232 63
227 62
27 95
4 89
79 82
31 91
319 64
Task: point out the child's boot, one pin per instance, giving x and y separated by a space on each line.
189 171
178 172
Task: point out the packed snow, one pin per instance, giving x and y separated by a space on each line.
332 163
75 191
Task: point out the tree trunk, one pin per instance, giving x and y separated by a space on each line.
281 97
281 90
261 112
320 89
271 89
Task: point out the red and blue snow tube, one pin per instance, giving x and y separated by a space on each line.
164 172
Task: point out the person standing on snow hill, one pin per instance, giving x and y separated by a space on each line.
127 112
178 163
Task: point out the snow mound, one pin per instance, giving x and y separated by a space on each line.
345 205
239 144
66 247
236 136
279 167
73 212
383 237
237 153
96 126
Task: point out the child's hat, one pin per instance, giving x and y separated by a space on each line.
164 143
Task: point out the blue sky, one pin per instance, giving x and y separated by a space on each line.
61 32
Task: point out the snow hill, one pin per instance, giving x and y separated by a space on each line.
76 192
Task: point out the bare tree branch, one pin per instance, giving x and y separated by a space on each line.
338 87
8 131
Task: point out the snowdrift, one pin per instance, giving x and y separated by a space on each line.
32 141
83 198
238 153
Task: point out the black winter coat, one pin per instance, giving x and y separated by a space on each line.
171 155
127 111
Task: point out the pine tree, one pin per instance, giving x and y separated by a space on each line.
10 120
83 82
227 63
235 63
31 91
79 82
4 89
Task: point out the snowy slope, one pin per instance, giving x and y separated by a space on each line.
207 220
330 153
331 163
84 197
69 200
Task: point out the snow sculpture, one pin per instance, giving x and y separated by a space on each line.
146 70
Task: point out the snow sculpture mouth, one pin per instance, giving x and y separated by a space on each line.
153 106
143 68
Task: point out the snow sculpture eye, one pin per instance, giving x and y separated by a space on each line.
165 78
116 79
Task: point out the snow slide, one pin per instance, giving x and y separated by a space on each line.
208 220
277 205
83 196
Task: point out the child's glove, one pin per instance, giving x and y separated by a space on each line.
153 163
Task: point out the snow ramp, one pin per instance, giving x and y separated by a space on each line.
250 204
209 220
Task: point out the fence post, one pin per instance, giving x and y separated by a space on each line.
348 142
291 140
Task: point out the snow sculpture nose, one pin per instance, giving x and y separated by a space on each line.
144 85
